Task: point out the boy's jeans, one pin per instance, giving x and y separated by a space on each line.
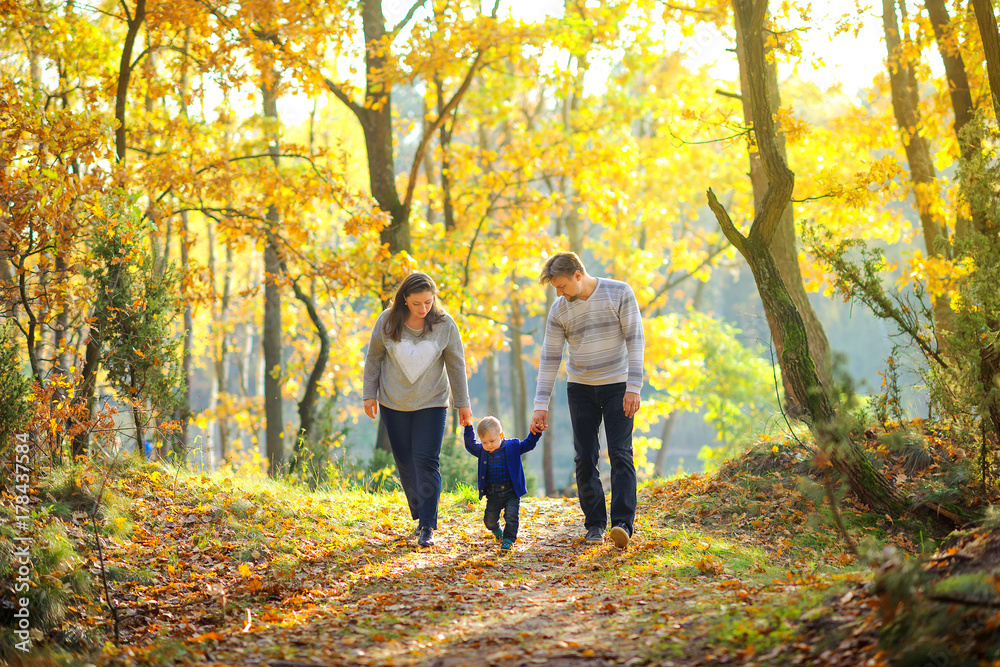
502 498
588 406
415 438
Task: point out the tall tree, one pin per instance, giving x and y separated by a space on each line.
375 116
784 246
133 21
848 458
987 21
960 92
184 412
273 363
906 107
92 354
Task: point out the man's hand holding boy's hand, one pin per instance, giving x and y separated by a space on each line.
539 421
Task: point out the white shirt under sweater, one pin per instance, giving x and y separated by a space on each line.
604 336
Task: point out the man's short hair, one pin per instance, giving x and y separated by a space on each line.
563 263
489 424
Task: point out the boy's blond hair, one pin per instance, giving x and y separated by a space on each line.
488 424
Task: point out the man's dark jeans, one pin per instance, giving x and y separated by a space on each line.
589 405
504 498
415 438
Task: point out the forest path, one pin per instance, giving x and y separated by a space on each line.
223 574
553 600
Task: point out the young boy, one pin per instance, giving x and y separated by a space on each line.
501 476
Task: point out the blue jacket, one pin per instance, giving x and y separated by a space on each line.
513 449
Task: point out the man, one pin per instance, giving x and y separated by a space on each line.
600 322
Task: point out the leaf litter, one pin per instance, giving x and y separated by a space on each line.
736 567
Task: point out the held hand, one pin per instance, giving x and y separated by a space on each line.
371 407
465 416
631 403
539 421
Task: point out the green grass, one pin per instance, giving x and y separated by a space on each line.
465 493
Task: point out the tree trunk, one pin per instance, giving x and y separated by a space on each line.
86 392
784 244
307 406
7 285
571 216
517 358
989 376
444 139
60 358
220 316
987 21
188 343
548 472
375 117
137 420
961 99
134 23
905 99
376 122
184 411
492 364
848 458
665 434
30 340
273 380
431 175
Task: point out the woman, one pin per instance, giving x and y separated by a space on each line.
414 355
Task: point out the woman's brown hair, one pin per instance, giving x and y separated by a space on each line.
412 284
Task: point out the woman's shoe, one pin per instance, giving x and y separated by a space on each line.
426 538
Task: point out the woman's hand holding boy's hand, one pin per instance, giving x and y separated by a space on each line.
465 416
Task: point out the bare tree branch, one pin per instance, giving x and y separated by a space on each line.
406 19
341 95
418 156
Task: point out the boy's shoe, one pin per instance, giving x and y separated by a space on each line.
619 536
594 536
497 533
507 545
426 538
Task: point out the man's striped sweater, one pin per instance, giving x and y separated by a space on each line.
604 335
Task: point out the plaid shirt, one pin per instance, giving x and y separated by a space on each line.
496 467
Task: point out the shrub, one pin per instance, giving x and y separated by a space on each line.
16 406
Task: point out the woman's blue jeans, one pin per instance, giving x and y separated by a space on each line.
415 438
589 405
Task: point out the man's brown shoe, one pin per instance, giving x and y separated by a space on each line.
619 536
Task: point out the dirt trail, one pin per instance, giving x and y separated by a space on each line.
554 601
